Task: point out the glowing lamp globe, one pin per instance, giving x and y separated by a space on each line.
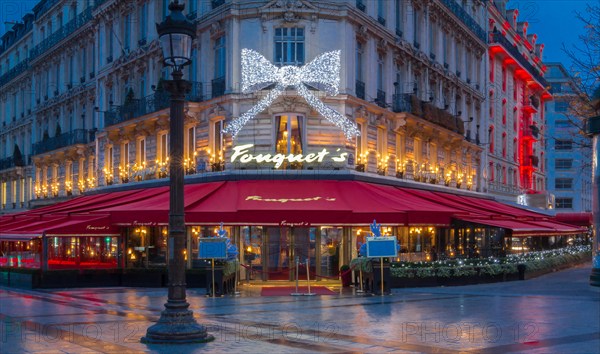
176 34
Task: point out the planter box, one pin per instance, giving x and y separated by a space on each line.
397 282
58 279
149 278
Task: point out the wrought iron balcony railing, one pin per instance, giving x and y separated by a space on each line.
361 5
218 87
44 7
62 33
498 38
360 89
462 15
149 104
9 162
412 104
77 136
531 131
217 3
401 102
14 72
380 100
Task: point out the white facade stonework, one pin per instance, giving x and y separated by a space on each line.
81 95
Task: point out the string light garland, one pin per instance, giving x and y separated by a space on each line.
323 73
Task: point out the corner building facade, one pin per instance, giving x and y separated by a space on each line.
412 78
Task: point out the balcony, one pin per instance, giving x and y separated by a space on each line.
360 89
498 39
531 162
531 133
412 104
14 72
153 103
401 103
44 6
462 15
531 105
380 100
361 6
217 3
9 162
77 136
66 30
218 87
534 161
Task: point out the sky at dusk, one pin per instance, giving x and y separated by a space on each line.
554 21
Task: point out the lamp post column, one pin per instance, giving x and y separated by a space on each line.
176 323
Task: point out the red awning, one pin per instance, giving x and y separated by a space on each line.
295 202
91 225
518 228
73 225
420 211
579 219
153 208
559 227
477 207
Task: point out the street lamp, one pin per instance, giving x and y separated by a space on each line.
176 323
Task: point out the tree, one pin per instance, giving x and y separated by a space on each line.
585 70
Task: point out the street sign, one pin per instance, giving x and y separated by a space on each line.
213 247
382 247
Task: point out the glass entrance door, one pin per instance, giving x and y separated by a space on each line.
277 253
282 247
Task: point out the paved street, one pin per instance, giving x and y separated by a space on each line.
555 313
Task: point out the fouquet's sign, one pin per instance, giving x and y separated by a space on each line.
242 154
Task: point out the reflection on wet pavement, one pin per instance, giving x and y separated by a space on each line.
555 313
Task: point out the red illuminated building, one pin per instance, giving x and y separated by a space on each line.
517 91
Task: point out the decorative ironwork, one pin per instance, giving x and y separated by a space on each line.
218 87
380 100
360 89
14 72
381 20
462 15
361 6
401 102
412 104
7 163
153 103
77 136
66 30
217 3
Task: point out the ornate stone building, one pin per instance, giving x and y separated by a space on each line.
92 111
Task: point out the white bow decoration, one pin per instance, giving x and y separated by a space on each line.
322 73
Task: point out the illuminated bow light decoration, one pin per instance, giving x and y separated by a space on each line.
322 73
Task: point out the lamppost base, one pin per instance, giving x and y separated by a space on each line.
176 326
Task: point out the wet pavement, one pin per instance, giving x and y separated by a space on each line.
555 313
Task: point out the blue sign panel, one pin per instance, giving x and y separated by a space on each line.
213 248
382 247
